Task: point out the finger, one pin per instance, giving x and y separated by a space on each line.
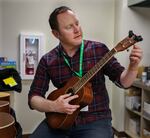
71 98
136 49
65 96
134 59
69 112
72 109
136 55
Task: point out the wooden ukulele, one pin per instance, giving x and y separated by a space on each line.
7 126
82 87
7 121
4 96
4 106
4 102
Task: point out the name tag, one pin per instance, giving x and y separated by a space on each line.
10 81
86 108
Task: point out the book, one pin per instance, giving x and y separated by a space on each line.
147 70
7 64
2 59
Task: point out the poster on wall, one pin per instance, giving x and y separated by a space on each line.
31 50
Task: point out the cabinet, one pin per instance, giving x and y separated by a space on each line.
137 110
31 50
139 3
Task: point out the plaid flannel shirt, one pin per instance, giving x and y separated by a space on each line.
53 67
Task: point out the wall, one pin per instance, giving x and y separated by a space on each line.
138 20
97 20
31 16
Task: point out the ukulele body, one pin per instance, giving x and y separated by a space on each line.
63 120
7 126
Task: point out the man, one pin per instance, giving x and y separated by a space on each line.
74 57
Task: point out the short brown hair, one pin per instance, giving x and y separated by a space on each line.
53 17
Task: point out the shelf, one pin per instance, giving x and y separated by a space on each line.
141 85
148 119
135 120
146 116
138 3
132 134
133 111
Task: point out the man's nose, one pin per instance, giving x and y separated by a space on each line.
76 29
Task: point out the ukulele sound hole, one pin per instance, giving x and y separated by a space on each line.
70 90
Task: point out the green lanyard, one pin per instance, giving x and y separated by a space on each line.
79 74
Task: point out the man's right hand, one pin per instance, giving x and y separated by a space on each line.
62 105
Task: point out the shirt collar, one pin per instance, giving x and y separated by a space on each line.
61 49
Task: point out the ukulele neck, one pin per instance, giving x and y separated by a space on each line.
91 73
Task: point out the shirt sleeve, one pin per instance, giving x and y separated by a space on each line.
113 69
40 83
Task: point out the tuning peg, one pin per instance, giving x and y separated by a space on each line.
130 33
136 38
139 38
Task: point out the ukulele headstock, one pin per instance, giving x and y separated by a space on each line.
128 41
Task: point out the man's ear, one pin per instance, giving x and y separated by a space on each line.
55 33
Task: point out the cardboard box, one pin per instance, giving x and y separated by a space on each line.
143 69
134 125
131 101
146 133
147 70
147 107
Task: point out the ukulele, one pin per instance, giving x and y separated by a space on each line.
4 102
4 96
82 87
4 106
7 126
7 121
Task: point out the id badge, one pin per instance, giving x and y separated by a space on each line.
85 109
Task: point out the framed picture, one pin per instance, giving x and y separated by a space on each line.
31 50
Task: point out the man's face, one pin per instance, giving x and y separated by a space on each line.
70 32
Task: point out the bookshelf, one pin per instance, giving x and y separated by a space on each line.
137 110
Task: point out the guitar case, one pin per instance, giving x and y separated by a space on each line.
10 72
